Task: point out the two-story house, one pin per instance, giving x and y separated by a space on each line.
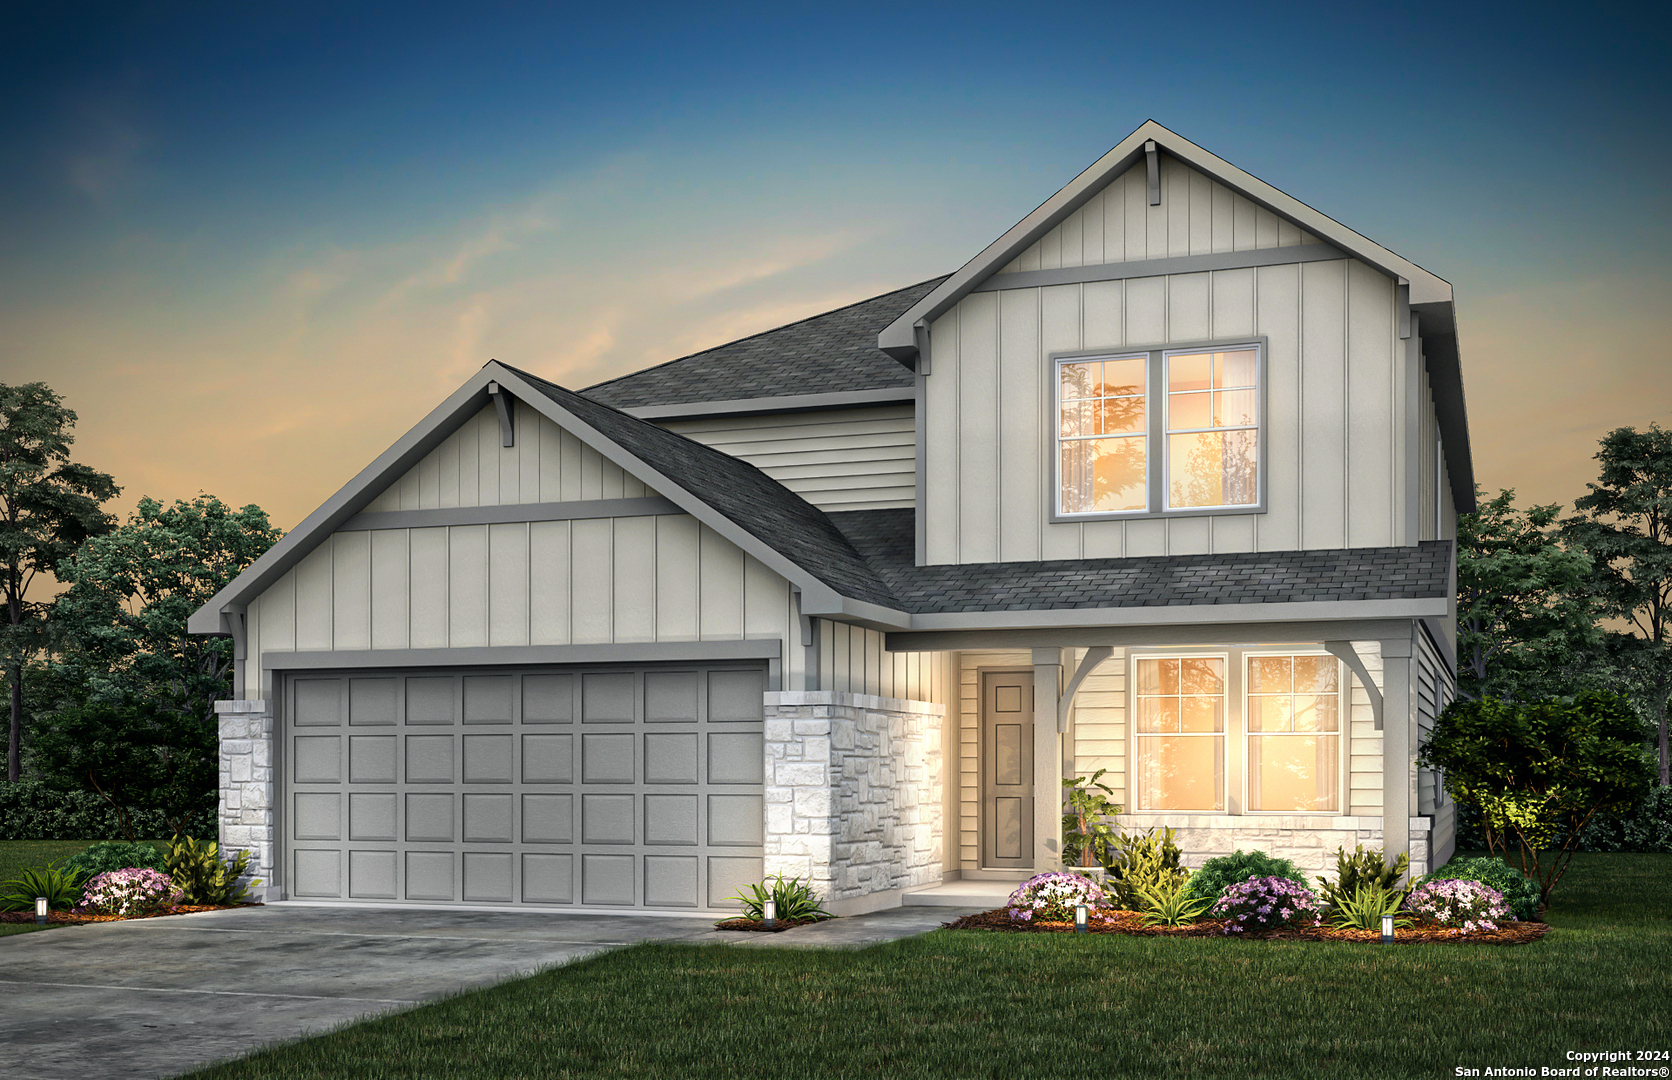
1162 482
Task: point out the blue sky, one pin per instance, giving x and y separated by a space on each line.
253 247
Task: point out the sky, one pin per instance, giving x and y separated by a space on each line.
252 245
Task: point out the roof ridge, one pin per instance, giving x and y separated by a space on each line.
759 334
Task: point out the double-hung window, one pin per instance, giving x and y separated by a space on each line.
1159 431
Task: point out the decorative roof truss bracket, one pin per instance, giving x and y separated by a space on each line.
507 414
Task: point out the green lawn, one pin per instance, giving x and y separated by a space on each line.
17 855
1012 1005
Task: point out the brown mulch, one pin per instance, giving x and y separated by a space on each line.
1131 922
759 927
74 917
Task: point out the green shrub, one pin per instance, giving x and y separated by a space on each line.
1217 875
795 899
115 855
1142 861
1359 869
1645 827
1166 904
61 887
203 877
1086 825
36 810
1520 892
1363 908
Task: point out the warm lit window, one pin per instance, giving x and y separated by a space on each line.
1293 718
1158 431
1180 731
1212 429
1103 434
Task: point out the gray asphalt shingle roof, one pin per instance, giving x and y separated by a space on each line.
754 501
887 539
828 353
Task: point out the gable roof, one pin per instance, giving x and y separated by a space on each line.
730 496
830 353
1430 295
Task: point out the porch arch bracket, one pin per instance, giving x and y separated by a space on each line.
1094 656
1344 651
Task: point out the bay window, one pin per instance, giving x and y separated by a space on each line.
1158 431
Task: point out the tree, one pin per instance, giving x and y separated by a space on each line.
1538 772
48 506
135 755
133 589
1625 524
1526 625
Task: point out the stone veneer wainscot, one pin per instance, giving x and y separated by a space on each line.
247 789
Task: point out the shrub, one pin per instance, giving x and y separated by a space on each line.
792 899
1265 903
1645 827
1217 875
115 855
1166 904
1467 905
62 888
1360 869
36 810
1519 893
1364 908
1143 861
129 892
1052 897
203 876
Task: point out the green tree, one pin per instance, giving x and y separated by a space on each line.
1625 524
1526 625
48 506
133 589
1538 771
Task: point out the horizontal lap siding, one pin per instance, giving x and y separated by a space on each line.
472 468
590 581
1099 724
1364 767
839 459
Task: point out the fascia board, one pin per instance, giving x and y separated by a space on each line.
348 500
790 403
846 609
1181 615
898 340
811 586
1437 326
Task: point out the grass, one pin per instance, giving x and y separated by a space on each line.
1016 1005
19 855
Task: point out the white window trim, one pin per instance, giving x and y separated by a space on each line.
1343 732
1155 429
1134 785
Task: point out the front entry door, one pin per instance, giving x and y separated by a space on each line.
1007 769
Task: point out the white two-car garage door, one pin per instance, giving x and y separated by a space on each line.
583 787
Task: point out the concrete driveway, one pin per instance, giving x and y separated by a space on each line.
157 997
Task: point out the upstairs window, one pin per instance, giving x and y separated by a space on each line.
1158 431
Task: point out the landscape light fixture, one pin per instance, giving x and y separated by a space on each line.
1079 918
769 914
1387 929
40 910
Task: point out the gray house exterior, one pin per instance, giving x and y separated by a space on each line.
1163 482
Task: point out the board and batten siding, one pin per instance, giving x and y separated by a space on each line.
836 459
663 578
1334 411
472 468
1197 216
1436 688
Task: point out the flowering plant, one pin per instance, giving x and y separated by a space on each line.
1265 903
134 891
1052 897
1466 905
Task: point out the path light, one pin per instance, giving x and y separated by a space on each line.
1079 918
1387 929
769 915
40 910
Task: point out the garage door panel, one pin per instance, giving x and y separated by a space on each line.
371 759
429 759
487 819
371 816
371 875
472 786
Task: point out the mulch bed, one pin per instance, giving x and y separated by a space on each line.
1131 922
759 927
73 917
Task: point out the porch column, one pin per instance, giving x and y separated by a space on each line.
1047 760
1398 721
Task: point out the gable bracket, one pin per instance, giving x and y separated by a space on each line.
1154 173
507 415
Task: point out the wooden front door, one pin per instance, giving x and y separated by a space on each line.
1007 769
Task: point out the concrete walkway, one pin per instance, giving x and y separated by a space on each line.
157 997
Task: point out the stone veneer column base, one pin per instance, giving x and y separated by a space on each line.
247 790
1307 840
853 795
